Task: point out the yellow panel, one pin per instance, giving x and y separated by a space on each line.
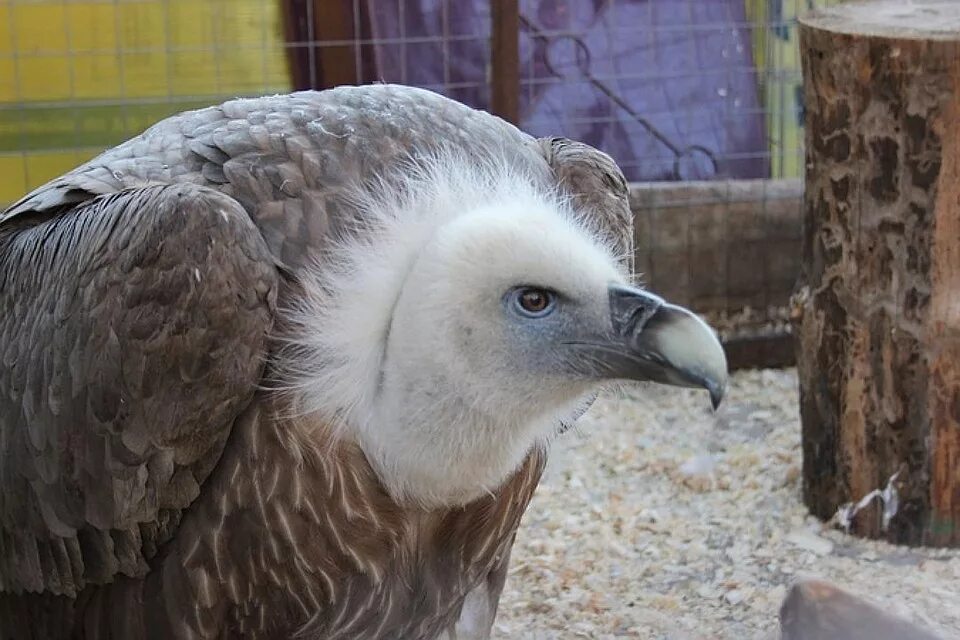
193 73
191 24
96 75
11 129
44 77
144 74
14 183
42 167
143 25
8 84
278 75
247 23
240 74
39 27
776 57
6 44
114 51
92 26
79 157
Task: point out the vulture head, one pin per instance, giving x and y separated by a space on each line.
475 313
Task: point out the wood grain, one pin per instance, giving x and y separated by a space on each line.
877 318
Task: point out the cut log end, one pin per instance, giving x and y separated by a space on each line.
818 610
892 19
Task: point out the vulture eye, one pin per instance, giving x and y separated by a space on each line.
533 302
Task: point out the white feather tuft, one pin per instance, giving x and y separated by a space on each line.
333 344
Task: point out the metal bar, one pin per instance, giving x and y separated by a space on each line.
505 59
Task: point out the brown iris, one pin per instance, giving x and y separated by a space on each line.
534 301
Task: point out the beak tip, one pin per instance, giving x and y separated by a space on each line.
672 345
715 401
717 391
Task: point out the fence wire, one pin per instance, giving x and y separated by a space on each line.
699 97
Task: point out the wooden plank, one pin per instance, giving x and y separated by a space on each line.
719 246
505 59
771 351
722 247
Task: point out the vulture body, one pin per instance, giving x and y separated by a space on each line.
228 404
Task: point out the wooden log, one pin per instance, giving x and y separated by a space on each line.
878 298
505 59
818 610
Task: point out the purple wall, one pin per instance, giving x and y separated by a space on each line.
684 66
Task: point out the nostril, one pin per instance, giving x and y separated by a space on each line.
631 309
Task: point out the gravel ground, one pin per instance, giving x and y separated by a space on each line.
660 519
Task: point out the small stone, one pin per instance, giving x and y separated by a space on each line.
708 592
809 541
699 465
792 475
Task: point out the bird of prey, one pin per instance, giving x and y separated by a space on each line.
289 367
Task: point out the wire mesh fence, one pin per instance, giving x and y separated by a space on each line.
678 91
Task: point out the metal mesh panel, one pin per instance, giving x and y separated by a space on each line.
698 100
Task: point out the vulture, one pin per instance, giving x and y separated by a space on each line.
289 367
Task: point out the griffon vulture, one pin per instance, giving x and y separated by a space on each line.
288 367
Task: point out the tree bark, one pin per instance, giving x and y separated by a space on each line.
877 302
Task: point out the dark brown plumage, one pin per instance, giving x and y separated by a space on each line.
148 489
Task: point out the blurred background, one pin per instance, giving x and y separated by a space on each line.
699 101
711 83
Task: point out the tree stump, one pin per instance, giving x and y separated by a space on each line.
877 303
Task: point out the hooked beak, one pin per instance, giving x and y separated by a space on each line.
653 340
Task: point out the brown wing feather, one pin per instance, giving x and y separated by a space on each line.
133 331
289 160
598 188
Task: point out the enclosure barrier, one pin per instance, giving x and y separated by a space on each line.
729 250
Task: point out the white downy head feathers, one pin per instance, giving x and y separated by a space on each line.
404 341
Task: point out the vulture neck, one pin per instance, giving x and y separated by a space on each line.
436 453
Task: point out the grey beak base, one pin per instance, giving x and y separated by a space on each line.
664 343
